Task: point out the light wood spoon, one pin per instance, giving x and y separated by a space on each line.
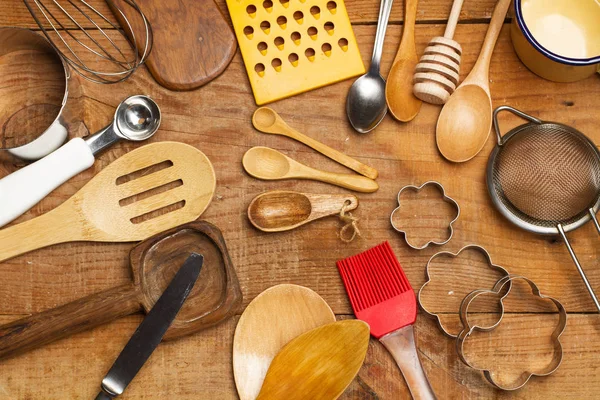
129 200
271 320
401 101
269 164
319 364
466 119
267 120
278 211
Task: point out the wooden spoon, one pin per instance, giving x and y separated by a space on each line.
215 297
403 104
278 211
269 164
271 320
466 119
267 120
146 191
319 364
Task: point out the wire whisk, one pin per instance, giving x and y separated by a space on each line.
75 29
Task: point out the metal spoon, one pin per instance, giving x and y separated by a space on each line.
365 104
137 118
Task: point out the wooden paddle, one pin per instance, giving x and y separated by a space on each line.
193 43
319 364
271 320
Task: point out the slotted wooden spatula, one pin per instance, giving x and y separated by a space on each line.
319 364
146 191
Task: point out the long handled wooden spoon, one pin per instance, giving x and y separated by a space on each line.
466 119
269 164
267 120
146 191
319 364
403 104
271 320
278 211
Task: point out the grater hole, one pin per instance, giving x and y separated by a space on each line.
329 27
276 63
315 11
332 6
262 47
260 69
248 31
293 59
281 21
296 37
326 47
268 5
265 26
251 10
285 3
310 54
312 32
343 43
299 16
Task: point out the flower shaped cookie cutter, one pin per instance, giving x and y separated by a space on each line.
429 277
445 198
470 328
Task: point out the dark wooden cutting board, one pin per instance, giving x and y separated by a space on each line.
193 42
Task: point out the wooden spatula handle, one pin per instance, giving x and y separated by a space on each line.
51 228
401 344
42 328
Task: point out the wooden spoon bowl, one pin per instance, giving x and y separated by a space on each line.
278 211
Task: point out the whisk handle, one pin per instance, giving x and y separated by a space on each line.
24 188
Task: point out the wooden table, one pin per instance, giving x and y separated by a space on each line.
216 119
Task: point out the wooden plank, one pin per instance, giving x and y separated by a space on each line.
199 366
216 119
14 13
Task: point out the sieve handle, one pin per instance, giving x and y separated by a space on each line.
24 188
514 111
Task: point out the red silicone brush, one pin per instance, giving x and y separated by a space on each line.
381 296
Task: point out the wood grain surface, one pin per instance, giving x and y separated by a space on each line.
217 120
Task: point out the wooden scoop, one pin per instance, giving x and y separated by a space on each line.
319 364
148 190
269 164
271 320
154 262
267 120
401 101
466 119
278 211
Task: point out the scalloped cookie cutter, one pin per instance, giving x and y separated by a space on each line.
428 279
469 329
445 197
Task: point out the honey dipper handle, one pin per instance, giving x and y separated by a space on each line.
453 19
80 315
401 344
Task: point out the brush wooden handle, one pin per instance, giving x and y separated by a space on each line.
57 226
401 344
80 315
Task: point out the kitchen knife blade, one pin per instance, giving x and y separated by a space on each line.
152 329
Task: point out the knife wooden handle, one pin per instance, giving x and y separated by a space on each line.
42 328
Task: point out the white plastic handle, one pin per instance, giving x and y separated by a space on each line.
24 188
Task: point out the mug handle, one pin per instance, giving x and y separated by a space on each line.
514 111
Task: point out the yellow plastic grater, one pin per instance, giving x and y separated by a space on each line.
293 46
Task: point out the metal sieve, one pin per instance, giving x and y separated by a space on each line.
545 178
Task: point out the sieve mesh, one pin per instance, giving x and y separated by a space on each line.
547 174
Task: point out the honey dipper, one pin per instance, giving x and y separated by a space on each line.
437 73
